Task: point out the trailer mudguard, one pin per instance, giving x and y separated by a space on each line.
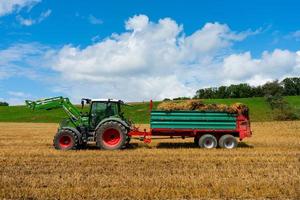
113 119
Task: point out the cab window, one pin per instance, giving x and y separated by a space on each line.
101 110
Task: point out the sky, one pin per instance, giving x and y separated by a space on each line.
137 50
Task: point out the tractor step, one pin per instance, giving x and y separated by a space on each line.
91 139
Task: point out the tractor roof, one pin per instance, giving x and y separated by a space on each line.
108 100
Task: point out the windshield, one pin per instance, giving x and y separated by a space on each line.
102 110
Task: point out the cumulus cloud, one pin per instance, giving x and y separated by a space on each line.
158 60
153 60
149 60
30 22
10 6
272 65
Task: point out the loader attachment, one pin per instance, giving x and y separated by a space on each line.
30 104
55 103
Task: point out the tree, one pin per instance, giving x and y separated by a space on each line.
3 103
182 98
257 91
233 91
272 89
222 92
206 93
291 86
244 90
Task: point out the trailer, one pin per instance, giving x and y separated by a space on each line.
106 125
209 129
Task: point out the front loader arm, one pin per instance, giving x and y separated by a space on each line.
54 103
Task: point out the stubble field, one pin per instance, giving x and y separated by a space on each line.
266 166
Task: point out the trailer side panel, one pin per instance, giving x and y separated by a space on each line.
193 120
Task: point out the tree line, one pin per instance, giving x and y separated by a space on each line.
2 103
287 87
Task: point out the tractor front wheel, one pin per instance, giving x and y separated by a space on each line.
65 140
111 135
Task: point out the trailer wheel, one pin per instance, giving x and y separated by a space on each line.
228 142
65 140
111 135
208 141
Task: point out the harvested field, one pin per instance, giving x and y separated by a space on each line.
264 166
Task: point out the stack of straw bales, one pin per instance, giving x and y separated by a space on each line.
198 105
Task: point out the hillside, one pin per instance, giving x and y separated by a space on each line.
139 112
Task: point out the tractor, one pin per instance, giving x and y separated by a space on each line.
104 123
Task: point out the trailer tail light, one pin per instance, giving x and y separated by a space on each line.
243 124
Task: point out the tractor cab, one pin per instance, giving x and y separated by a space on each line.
101 109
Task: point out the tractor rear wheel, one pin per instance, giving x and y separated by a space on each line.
111 135
65 139
208 141
228 142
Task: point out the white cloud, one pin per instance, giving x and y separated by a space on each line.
137 23
25 22
14 100
18 94
153 60
17 97
272 65
30 22
10 6
148 60
213 37
93 20
22 60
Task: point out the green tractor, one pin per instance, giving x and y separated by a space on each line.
104 123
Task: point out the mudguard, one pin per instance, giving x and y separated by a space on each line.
113 119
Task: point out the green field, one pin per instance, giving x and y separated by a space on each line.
139 112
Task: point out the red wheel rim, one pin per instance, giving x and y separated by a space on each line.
111 137
65 141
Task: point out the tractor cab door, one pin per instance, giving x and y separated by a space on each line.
100 111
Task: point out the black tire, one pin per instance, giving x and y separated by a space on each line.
66 139
83 145
128 139
208 141
228 142
111 135
196 140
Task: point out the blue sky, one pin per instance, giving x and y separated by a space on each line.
140 50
